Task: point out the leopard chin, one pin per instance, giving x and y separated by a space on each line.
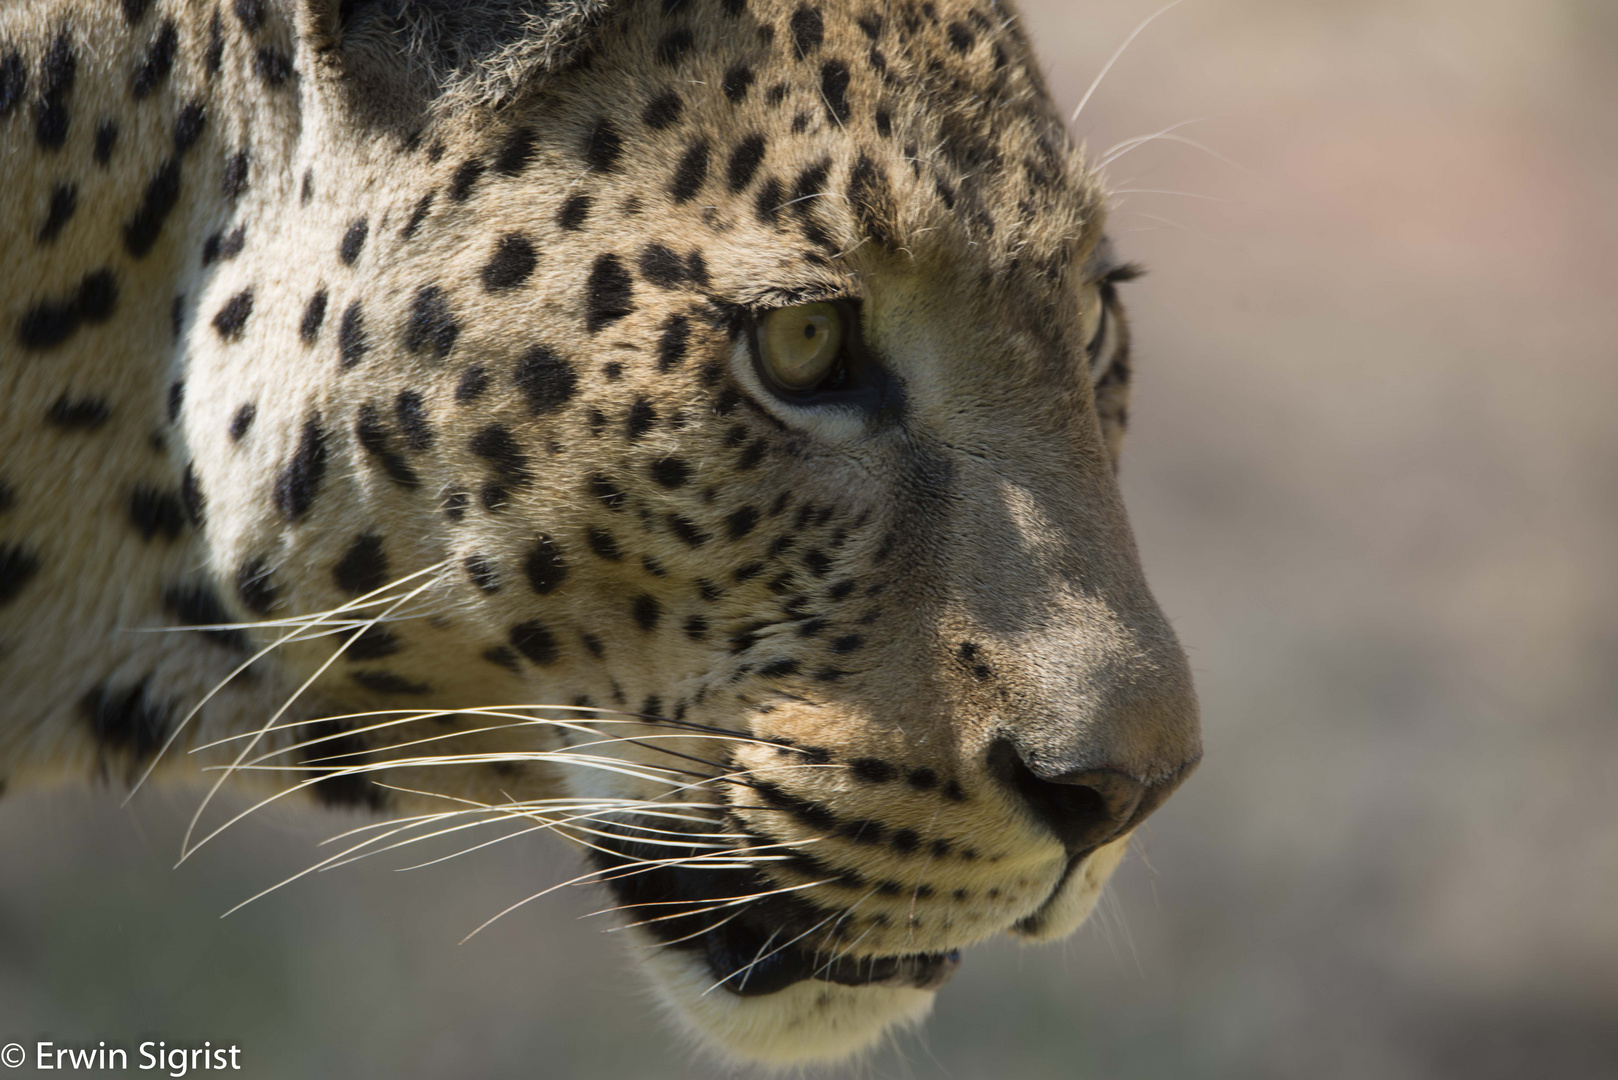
746 970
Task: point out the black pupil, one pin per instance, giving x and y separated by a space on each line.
809 330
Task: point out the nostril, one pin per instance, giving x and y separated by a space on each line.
1084 807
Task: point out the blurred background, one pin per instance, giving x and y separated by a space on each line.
1373 470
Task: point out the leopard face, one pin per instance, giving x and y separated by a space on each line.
505 461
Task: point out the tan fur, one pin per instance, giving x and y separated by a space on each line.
920 587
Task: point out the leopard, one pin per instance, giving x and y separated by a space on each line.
687 427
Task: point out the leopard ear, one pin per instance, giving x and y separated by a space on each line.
402 56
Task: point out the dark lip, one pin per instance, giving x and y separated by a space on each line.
753 951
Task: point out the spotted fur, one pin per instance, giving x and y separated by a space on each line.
393 363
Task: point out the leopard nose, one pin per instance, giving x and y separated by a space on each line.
1086 807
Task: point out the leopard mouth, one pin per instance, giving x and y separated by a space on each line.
750 946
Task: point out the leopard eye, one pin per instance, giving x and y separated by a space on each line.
800 347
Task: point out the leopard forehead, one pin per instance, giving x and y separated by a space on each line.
412 344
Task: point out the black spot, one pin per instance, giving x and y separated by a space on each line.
231 319
233 181
373 435
923 779
157 202
513 261
961 39
742 522
671 472
503 657
387 682
847 643
352 342
353 241
131 721
17 566
135 10
255 587
474 381
954 793
834 89
534 641
674 46
663 111
241 420
642 417
607 492
250 13
298 482
767 203
196 604
496 445
662 267
695 268
735 83
545 565
364 567
592 644
188 127
603 544
696 628
777 668
371 643
671 346
516 152
603 146
690 172
744 162
573 212
873 770
545 379
64 200
154 512
159 60
176 399
192 497
808 30
13 82
609 293
273 67
687 530
417 215
222 248
431 326
646 611
214 55
460 185
483 573
751 456
314 313
871 24
84 414
106 139
57 71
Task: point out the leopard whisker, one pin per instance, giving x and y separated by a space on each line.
186 846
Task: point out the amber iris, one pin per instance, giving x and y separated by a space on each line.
800 345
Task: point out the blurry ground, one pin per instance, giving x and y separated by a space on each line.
1374 471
